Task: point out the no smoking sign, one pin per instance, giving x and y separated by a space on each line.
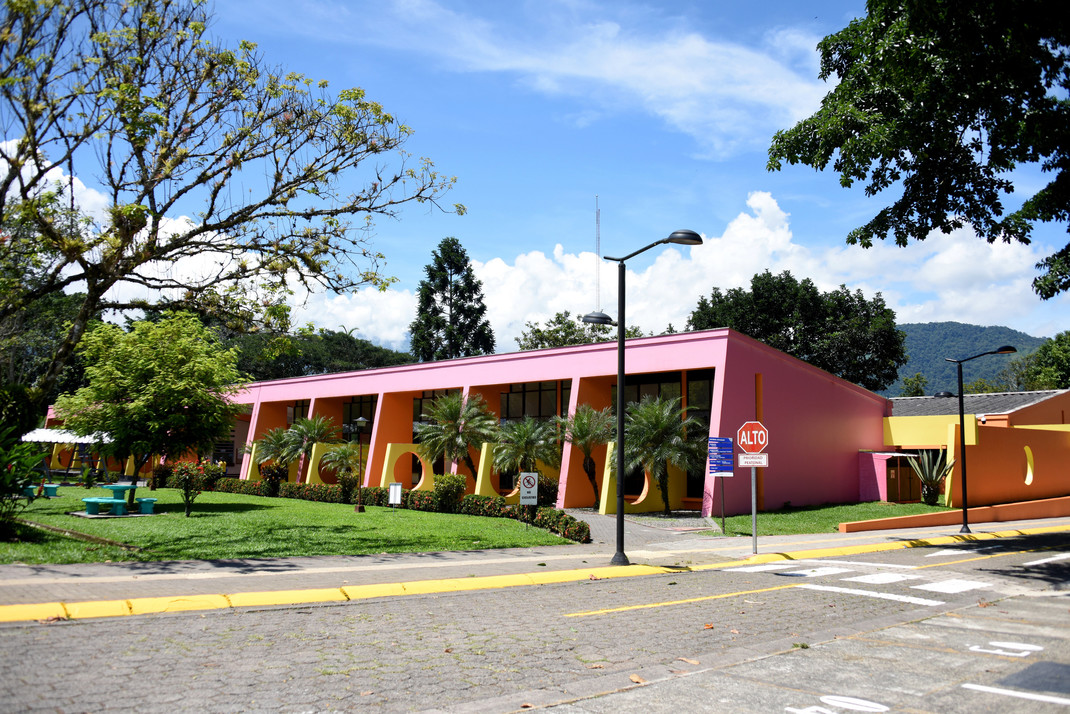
529 489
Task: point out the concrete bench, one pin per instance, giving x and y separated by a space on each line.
92 506
51 490
146 504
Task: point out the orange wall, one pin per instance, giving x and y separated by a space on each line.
996 468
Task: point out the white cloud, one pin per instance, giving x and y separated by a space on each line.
955 277
727 96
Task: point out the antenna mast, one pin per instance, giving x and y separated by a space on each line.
597 255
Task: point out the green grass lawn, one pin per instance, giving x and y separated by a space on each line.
820 519
227 525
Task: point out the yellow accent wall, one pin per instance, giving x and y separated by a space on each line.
926 431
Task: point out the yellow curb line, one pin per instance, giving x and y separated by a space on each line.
185 603
881 547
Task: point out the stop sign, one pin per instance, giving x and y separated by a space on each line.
752 437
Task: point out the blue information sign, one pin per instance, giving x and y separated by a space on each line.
721 456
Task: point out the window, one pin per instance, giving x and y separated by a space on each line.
534 399
355 408
299 410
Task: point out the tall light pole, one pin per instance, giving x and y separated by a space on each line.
683 237
357 427
1004 350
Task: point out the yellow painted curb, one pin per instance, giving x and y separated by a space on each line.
882 547
143 606
286 597
363 592
97 608
183 603
39 611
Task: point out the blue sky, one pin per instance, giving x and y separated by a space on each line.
665 112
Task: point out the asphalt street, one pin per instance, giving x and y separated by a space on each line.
908 621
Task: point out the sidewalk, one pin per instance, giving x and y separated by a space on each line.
35 592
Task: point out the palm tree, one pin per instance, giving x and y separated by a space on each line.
658 433
521 444
455 425
587 429
305 433
347 460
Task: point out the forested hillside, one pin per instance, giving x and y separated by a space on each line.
928 345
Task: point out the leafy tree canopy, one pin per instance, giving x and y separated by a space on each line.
161 388
271 166
563 330
841 332
939 102
450 313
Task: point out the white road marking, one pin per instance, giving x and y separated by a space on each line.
952 587
881 578
870 593
861 564
815 572
1021 695
1052 559
764 567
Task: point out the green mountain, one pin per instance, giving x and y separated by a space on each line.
928 344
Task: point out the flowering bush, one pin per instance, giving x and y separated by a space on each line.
551 519
188 477
421 500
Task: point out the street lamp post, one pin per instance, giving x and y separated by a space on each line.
1005 350
683 237
357 427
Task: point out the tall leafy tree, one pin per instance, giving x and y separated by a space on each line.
161 388
450 314
455 425
1049 366
170 123
563 330
840 331
938 102
657 433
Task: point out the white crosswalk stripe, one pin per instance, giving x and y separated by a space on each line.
951 587
882 578
816 572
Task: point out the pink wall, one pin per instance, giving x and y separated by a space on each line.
817 424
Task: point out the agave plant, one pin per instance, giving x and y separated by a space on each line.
932 467
658 433
587 429
455 424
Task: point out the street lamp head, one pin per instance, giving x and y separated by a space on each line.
597 318
684 237
943 395
1005 350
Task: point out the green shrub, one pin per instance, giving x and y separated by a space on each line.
274 476
449 490
547 491
18 464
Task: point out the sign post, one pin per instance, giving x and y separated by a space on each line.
753 437
720 459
